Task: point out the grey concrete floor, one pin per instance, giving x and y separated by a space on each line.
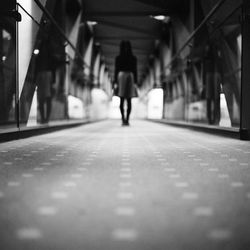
106 187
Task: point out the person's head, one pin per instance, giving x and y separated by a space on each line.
128 47
125 48
122 48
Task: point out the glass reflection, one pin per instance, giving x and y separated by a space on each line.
203 83
7 73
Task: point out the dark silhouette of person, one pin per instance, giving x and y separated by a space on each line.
126 78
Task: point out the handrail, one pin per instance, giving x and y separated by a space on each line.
208 16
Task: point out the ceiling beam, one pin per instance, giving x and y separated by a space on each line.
140 68
150 3
137 52
126 37
139 55
91 14
112 59
172 6
117 45
122 26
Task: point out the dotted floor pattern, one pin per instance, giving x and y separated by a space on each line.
146 186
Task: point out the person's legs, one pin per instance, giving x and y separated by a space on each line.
129 108
122 108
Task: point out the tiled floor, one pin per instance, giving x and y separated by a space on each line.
106 187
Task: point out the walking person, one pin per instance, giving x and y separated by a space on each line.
126 78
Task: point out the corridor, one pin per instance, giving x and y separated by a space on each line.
148 186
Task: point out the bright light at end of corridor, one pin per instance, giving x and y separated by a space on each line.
115 101
155 103
114 108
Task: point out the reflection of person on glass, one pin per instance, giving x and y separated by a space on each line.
44 78
125 78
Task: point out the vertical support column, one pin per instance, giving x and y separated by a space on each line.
245 80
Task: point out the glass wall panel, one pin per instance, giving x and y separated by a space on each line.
42 66
45 63
52 81
207 70
7 68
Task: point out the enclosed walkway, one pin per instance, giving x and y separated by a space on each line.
106 187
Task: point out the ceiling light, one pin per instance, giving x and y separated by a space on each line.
162 18
159 17
92 23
